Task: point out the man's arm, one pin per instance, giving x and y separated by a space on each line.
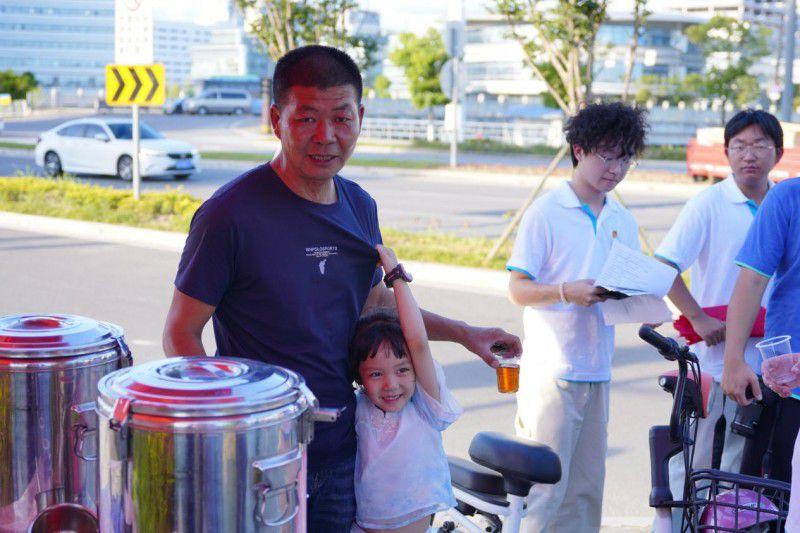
742 313
709 328
183 330
478 340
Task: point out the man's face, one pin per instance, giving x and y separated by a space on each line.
752 154
603 168
389 382
318 130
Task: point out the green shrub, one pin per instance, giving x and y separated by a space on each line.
170 210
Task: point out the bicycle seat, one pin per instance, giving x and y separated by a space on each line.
486 484
522 462
697 397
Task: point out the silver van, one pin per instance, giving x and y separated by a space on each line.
219 101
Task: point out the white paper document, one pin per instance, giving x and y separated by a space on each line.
633 273
645 280
642 309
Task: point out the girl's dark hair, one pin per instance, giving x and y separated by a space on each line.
607 125
755 117
378 327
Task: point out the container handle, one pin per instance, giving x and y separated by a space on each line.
275 476
119 414
84 425
125 352
264 492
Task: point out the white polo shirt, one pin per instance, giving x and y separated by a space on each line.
706 237
560 240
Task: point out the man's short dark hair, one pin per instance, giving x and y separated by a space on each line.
755 117
607 125
317 66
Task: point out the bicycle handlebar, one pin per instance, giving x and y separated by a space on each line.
666 347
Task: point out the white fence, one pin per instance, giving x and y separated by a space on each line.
664 130
518 133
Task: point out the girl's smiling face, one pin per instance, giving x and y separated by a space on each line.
388 381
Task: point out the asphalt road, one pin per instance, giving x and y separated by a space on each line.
132 287
417 200
241 133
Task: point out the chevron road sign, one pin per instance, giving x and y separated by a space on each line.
143 85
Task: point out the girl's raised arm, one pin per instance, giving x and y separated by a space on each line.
413 328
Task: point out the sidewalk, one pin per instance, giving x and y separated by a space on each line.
464 279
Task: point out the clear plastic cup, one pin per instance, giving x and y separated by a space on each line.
508 374
774 347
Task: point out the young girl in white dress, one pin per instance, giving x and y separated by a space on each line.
403 405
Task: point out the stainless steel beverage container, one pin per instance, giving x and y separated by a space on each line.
193 444
49 369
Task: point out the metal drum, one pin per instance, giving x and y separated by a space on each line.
204 444
49 369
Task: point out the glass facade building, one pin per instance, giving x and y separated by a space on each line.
63 43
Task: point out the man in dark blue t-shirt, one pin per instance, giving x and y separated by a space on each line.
283 259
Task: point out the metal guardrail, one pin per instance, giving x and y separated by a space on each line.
517 133
670 130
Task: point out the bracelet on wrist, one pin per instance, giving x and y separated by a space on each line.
562 294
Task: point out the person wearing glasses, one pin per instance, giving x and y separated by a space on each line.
705 238
770 255
563 241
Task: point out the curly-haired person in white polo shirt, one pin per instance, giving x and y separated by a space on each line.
563 241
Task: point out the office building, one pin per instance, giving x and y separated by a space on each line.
65 43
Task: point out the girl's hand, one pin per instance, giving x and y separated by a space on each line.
388 259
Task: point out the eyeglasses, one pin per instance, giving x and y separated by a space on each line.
758 150
624 161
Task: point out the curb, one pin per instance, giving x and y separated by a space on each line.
463 279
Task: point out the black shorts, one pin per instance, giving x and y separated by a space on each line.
783 430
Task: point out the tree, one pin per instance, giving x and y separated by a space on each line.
283 25
640 13
17 85
557 40
422 58
559 49
731 47
381 86
672 88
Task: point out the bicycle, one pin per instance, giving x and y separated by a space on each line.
712 500
491 489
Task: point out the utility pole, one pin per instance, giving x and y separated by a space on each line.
454 44
790 28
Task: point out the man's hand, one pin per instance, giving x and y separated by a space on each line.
736 377
486 343
388 258
709 328
782 373
583 292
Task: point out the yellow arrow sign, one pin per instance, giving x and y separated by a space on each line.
135 84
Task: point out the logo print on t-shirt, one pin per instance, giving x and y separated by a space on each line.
323 253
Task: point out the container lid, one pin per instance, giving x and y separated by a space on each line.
49 336
203 387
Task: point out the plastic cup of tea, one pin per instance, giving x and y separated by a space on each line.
774 347
507 374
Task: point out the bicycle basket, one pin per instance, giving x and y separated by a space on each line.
723 501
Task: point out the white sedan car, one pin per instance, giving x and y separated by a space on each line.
105 146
